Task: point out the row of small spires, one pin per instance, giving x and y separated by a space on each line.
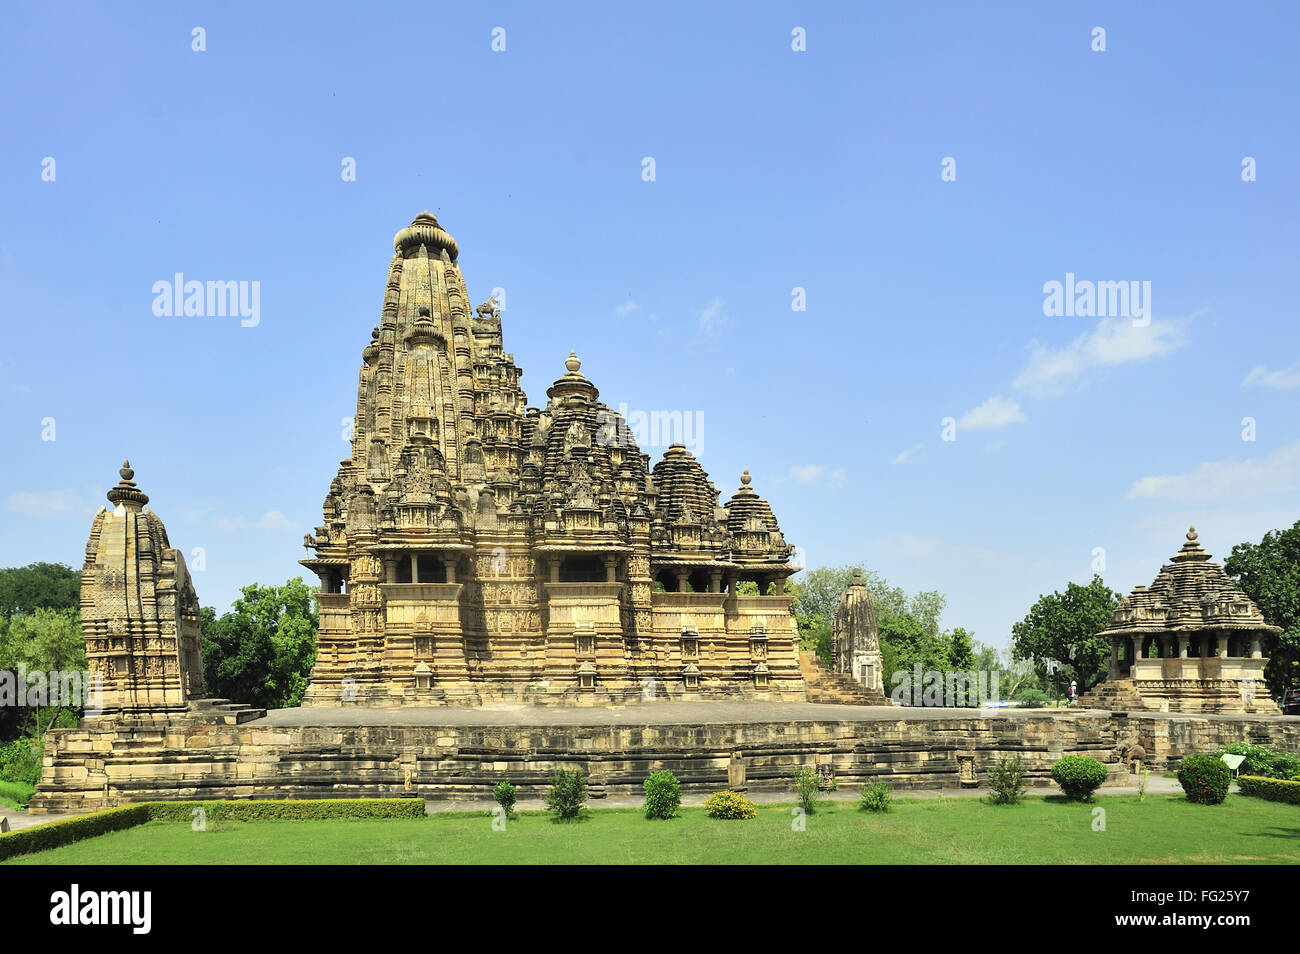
127 488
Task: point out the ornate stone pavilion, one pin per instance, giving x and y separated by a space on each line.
1190 642
476 549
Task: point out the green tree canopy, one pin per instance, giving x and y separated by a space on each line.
25 589
45 640
1269 573
262 651
1063 628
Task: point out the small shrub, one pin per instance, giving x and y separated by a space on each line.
568 792
729 805
1143 774
504 793
1263 762
663 795
1007 780
1031 698
1205 779
806 786
876 797
1079 776
1273 789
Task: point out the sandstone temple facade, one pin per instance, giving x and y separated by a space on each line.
476 549
1192 641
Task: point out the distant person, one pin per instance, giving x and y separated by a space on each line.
1072 693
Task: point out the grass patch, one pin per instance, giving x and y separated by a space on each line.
1164 829
15 795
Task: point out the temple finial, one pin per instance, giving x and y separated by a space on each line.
745 478
126 494
572 363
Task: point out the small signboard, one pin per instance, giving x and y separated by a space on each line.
1233 761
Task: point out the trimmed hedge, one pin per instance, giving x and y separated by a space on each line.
1204 778
70 830
1273 789
292 810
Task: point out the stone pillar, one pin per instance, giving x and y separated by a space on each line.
1113 672
681 579
449 564
390 569
554 562
1182 647
715 581
1256 648
611 569
736 773
780 585
415 567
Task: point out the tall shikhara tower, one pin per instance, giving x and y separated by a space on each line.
476 550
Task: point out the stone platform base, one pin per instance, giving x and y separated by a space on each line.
432 753
1203 696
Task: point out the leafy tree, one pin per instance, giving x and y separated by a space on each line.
262 651
1064 627
46 640
39 586
1269 573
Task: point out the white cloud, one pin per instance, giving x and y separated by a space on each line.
714 318
1261 377
995 412
625 310
805 473
19 388
836 477
1279 472
1053 371
46 503
904 455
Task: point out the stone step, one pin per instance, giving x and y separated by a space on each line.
823 685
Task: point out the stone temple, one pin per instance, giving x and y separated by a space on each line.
1189 642
475 549
477 555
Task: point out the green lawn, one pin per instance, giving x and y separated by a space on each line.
1164 829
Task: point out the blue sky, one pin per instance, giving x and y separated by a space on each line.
775 169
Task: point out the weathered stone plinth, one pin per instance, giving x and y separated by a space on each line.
450 753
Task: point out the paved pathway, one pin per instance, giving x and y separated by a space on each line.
652 713
1155 785
666 712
